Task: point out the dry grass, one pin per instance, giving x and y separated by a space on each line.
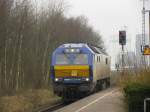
114 78
141 77
27 101
40 97
15 104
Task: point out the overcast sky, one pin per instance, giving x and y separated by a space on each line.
109 16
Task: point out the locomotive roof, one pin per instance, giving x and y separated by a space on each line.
74 45
95 49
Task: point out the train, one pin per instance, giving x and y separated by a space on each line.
79 69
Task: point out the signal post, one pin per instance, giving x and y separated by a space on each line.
146 50
122 42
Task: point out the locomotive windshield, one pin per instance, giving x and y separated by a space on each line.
67 58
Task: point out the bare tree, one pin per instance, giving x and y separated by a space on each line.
28 36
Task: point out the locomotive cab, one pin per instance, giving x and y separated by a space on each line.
71 68
79 69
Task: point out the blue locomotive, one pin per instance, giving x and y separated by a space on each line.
79 69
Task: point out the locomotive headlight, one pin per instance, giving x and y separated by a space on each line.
87 79
56 79
72 50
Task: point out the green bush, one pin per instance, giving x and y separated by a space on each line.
136 88
135 94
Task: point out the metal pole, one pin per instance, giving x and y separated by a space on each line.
143 32
149 35
145 100
143 22
149 28
123 59
144 105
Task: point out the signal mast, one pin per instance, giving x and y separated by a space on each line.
143 46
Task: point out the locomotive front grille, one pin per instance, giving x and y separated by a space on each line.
71 71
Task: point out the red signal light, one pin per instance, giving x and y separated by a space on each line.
122 37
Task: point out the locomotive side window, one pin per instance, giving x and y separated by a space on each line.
98 59
106 61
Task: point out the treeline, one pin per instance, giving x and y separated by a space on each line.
29 34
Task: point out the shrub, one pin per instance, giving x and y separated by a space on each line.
135 94
136 88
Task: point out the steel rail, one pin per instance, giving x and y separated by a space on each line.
50 108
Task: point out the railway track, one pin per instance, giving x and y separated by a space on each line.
48 108
58 105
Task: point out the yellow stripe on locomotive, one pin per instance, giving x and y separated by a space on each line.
71 71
